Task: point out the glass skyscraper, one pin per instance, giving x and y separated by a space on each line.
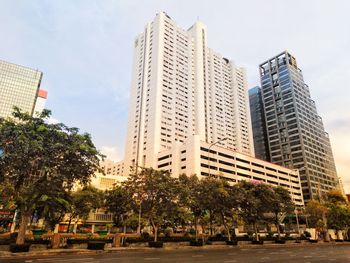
19 87
258 124
295 133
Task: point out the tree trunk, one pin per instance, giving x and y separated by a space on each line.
210 223
226 227
196 228
155 230
25 215
278 227
69 222
256 231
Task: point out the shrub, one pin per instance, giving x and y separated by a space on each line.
14 248
145 235
307 234
96 245
156 244
280 241
257 242
192 231
195 243
270 234
232 243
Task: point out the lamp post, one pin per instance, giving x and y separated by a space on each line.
212 144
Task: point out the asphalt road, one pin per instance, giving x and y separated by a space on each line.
319 254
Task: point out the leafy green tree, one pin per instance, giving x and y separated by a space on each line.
255 204
156 192
315 211
191 197
338 216
228 200
119 201
36 153
83 201
281 203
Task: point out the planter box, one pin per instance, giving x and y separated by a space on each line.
339 240
257 242
14 248
280 241
232 243
313 240
198 243
157 244
96 245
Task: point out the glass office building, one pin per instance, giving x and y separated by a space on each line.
19 87
258 124
295 132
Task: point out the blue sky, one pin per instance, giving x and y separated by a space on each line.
85 50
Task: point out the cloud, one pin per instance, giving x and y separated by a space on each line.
111 152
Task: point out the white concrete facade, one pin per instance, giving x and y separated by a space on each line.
196 156
180 88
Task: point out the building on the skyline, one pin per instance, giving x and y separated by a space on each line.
258 124
40 101
19 87
180 88
295 132
189 111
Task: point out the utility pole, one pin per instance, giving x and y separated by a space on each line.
212 144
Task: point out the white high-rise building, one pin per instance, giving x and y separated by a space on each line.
181 88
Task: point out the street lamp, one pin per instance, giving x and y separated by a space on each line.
212 144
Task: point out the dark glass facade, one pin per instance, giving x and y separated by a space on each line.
295 132
258 124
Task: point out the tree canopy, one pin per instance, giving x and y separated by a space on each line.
37 155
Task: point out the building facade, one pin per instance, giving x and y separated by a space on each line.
19 86
295 132
180 88
258 124
40 102
204 159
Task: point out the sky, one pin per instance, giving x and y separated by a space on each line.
85 50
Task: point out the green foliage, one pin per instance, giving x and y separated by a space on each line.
156 192
84 200
119 201
38 157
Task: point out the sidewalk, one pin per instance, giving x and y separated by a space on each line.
55 252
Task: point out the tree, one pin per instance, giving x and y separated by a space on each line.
227 199
281 203
191 197
156 192
315 211
36 153
338 216
83 201
255 204
119 201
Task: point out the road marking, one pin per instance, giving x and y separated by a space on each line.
265 258
230 261
151 258
28 261
63 260
307 256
